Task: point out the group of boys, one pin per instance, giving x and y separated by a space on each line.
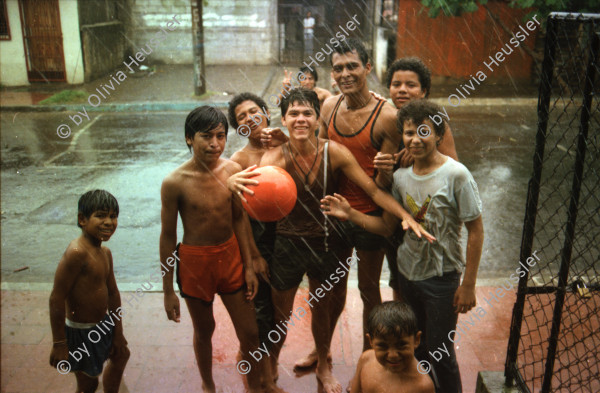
342 179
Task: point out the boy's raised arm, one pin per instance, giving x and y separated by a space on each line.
465 298
119 343
67 271
348 164
168 242
337 206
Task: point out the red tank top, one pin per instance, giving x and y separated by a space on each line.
364 148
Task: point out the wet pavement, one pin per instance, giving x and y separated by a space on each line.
162 357
129 154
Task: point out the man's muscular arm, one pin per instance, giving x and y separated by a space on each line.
386 131
342 158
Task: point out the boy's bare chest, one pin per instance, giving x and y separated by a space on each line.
207 194
95 268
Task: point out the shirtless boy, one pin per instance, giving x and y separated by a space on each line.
306 241
307 81
214 256
365 125
249 110
86 293
391 365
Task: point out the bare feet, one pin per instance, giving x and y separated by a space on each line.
330 384
310 360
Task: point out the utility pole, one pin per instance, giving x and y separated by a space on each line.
198 34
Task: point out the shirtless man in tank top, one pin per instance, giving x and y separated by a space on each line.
306 240
366 125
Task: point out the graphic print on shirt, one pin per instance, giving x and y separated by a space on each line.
418 212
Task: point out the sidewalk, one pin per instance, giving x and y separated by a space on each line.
170 88
162 358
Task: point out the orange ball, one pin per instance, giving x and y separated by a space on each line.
274 196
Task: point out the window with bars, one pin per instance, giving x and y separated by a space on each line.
4 27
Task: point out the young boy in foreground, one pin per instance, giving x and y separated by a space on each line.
214 256
391 365
85 298
441 194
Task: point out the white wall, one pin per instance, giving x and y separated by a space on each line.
69 24
235 31
13 69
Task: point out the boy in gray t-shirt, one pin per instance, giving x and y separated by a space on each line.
441 195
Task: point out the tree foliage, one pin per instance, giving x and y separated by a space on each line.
542 7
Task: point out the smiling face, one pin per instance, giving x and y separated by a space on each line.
419 146
208 146
100 225
349 72
395 354
249 114
301 120
405 86
309 81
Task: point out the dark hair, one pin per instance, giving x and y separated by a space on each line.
301 96
305 70
418 111
392 318
238 99
203 119
93 201
350 45
415 65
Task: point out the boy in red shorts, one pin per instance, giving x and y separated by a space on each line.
215 253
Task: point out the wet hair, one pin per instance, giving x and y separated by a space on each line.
415 65
306 70
301 96
238 99
204 119
95 200
418 111
350 45
392 319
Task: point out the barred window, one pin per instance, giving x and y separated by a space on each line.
4 28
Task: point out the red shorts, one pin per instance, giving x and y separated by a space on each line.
206 270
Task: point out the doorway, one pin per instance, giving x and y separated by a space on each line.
42 38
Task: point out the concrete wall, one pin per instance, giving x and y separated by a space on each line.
69 23
235 31
13 69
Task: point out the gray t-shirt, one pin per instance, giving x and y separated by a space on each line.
440 201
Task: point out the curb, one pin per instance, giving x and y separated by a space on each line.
125 107
188 106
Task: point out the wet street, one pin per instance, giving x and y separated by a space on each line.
129 154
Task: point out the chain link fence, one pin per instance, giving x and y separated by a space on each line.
554 343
